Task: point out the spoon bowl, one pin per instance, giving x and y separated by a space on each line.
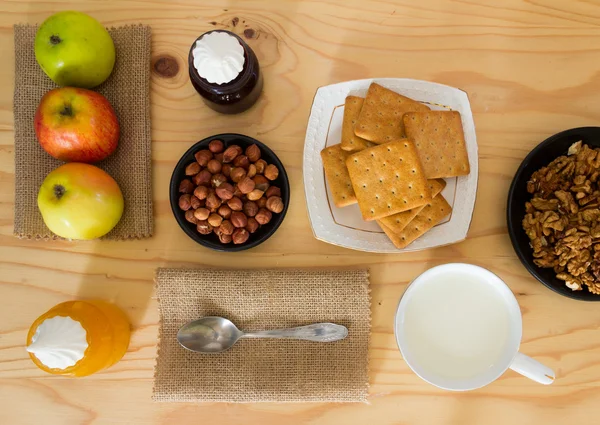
209 335
213 334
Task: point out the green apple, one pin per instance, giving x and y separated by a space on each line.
80 201
74 49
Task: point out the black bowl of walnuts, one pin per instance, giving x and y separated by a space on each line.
553 213
229 192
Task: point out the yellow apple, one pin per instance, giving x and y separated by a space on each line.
74 49
80 201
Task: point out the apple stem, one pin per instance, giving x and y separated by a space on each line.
67 111
55 39
59 191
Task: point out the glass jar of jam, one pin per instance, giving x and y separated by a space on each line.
78 338
225 72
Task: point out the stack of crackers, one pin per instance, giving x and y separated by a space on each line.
393 157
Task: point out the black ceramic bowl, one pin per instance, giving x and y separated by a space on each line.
212 241
541 156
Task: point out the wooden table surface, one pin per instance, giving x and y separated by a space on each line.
531 68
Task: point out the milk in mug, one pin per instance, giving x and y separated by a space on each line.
456 325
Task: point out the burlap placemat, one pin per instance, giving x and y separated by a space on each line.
263 370
128 91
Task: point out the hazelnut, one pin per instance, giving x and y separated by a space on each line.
253 153
215 146
273 191
224 211
203 227
261 164
252 225
237 174
226 227
262 202
261 182
186 186
246 185
226 170
215 220
240 236
219 157
275 204
192 169
213 201
250 208
239 219
255 195
203 156
195 202
235 204
271 172
185 202
236 192
251 170
201 192
225 191
217 180
189 216
231 153
214 166
263 216
201 214
241 161
202 178
225 238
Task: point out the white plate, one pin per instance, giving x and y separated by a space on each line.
345 226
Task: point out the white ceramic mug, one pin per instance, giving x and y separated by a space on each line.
431 347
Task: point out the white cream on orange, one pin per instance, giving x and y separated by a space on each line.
59 342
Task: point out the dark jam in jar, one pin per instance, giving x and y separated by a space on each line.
227 97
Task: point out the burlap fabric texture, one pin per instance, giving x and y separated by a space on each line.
128 91
263 370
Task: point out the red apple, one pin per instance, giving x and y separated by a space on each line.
74 124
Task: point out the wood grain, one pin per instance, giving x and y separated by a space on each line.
531 69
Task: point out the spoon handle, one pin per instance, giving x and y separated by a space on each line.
318 332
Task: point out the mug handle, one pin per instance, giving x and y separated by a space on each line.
532 369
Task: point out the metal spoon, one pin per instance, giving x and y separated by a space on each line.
215 334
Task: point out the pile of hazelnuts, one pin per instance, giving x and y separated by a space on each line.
229 192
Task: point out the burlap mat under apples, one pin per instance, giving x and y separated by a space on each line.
128 90
264 370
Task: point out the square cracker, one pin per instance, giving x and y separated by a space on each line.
397 222
380 119
440 141
430 216
350 141
334 163
388 179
